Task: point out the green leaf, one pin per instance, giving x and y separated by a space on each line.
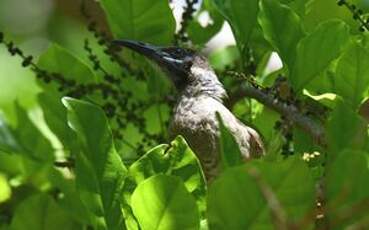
347 190
345 129
100 173
142 20
55 115
200 34
33 143
242 16
299 6
20 83
236 200
8 142
223 57
317 50
40 212
178 160
230 153
352 80
71 201
162 202
282 28
58 60
5 189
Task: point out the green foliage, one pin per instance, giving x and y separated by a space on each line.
345 194
352 76
242 24
103 160
201 34
55 59
142 20
282 28
41 212
99 170
317 50
159 200
248 203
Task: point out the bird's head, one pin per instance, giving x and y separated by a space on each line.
182 65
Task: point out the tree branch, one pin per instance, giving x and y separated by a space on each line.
290 112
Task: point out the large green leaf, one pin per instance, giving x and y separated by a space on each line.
345 129
178 160
58 60
347 189
32 141
299 6
242 16
71 201
40 212
162 202
317 50
200 34
238 199
282 28
143 20
100 173
55 115
352 80
18 84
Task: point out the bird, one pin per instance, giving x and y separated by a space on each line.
200 98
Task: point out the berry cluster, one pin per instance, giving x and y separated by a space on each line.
115 100
357 14
187 16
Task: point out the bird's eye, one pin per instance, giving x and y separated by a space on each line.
187 63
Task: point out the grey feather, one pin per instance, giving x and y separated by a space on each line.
195 119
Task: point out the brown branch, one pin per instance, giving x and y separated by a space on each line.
278 214
290 112
65 164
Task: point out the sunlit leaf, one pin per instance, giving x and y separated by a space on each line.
100 172
162 202
282 28
56 118
237 199
177 160
33 143
200 34
58 60
352 80
317 50
142 20
241 15
5 189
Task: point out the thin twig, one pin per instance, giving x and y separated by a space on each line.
290 112
278 214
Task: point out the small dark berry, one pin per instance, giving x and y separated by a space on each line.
341 2
27 61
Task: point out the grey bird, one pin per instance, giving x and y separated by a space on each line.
200 96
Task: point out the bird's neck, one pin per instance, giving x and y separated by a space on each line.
205 83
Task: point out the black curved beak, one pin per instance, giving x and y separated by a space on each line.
140 47
152 52
157 54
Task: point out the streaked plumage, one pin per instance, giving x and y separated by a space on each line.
201 96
